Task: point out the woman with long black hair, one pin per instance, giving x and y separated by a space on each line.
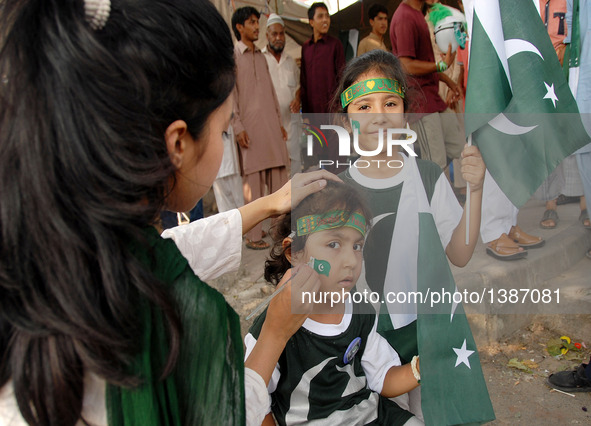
111 111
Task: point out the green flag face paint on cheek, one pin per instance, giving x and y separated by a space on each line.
320 266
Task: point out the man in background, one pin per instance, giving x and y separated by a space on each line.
257 120
323 58
378 20
439 137
286 80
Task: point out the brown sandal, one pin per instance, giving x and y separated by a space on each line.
257 245
525 240
504 248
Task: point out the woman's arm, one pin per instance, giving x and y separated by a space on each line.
281 201
213 245
285 316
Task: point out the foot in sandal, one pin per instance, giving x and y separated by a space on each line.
504 248
549 219
525 240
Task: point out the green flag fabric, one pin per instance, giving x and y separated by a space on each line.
453 390
519 108
413 262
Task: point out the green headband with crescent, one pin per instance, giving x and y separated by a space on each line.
373 85
333 219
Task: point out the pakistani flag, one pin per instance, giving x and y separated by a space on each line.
453 390
519 108
404 255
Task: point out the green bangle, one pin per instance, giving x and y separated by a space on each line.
441 66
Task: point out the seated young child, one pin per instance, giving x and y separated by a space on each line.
336 367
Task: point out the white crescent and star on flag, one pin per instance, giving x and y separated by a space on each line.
491 21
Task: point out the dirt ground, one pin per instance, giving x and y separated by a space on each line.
522 396
518 396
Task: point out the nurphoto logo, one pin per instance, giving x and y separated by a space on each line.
392 139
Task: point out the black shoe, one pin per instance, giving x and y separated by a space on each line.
571 381
563 199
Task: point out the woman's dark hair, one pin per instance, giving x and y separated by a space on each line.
335 196
84 169
375 60
240 16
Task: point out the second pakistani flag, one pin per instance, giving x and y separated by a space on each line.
519 107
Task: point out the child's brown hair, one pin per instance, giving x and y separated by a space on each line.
335 196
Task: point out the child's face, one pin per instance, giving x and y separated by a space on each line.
342 248
376 111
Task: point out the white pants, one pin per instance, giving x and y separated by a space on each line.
228 192
498 213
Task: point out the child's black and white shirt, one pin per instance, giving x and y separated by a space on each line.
333 373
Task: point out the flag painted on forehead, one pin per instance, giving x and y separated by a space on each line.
519 108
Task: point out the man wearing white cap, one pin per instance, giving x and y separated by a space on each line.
286 80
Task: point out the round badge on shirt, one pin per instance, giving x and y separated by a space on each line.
352 350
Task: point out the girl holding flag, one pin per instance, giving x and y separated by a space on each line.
418 224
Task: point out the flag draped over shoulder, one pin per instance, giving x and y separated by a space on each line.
519 108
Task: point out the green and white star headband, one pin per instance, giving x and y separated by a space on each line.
373 85
333 219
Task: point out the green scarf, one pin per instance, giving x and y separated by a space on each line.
207 385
